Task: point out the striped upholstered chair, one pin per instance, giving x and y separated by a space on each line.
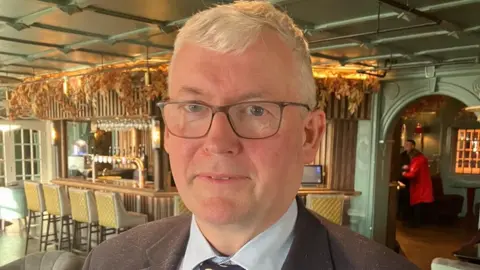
113 215
328 206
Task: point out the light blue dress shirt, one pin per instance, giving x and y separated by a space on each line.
267 251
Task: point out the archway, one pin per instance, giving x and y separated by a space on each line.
394 98
455 91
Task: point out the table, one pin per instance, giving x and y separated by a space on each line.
471 186
469 254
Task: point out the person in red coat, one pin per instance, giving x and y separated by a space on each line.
421 189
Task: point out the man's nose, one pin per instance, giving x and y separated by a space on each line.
221 139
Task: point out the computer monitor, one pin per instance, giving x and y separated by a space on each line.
312 175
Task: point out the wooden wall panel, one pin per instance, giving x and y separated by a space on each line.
338 108
337 154
342 168
107 106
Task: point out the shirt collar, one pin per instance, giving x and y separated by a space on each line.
262 252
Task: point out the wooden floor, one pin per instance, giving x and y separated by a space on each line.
422 245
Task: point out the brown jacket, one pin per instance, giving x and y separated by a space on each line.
318 244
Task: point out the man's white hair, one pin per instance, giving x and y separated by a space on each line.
232 28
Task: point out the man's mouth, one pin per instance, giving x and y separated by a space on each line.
220 177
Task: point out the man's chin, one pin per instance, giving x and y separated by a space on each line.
221 212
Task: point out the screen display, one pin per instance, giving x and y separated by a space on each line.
312 174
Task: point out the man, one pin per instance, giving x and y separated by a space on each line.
404 208
421 189
241 124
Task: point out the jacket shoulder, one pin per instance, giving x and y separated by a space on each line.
128 249
351 250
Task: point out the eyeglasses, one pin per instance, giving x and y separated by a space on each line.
249 120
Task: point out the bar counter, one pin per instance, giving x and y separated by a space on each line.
158 204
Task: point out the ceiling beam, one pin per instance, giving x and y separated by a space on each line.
16 72
419 53
392 39
29 21
67 61
387 15
33 67
167 27
64 48
371 33
27 58
453 29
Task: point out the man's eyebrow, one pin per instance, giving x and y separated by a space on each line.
191 91
252 95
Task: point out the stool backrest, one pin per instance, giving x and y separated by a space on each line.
56 200
84 206
179 206
328 206
34 196
106 208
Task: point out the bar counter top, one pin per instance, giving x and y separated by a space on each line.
129 187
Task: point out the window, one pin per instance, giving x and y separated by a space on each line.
27 154
467 159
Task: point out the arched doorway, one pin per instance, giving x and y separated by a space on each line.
436 123
395 96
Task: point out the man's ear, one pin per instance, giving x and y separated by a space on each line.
314 128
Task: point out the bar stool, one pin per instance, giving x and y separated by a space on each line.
58 209
112 214
179 206
328 206
36 208
84 212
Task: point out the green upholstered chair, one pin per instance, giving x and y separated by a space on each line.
13 205
47 260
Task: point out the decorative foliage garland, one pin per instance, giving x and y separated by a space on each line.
425 104
353 89
32 98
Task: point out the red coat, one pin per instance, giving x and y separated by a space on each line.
421 190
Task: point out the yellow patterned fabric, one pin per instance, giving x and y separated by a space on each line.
106 210
328 206
179 206
31 194
52 201
78 201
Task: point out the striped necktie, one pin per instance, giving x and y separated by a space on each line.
210 265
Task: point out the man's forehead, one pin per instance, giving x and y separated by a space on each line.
197 72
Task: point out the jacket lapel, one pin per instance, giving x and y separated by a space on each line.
310 248
167 253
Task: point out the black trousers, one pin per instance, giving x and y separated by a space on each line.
420 214
404 208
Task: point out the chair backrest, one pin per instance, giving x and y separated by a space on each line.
328 206
437 185
47 260
13 204
179 207
106 209
448 264
34 196
84 206
110 208
56 200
